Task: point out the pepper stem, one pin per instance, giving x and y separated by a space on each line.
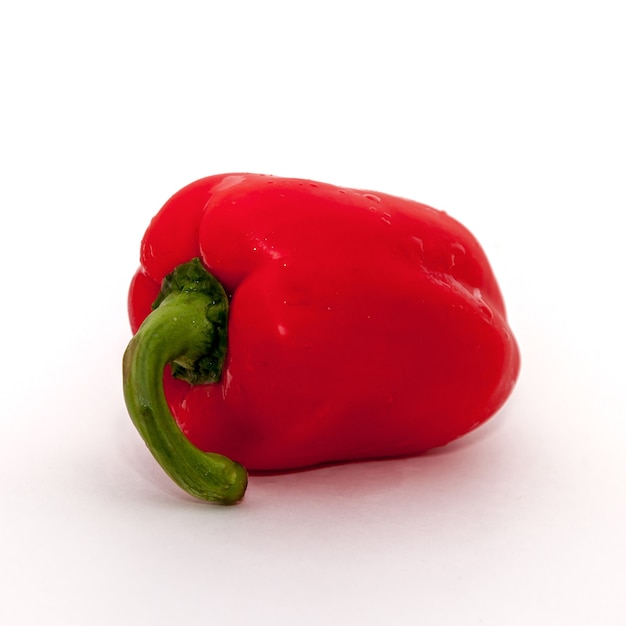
186 329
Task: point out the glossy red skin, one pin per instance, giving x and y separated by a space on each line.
361 325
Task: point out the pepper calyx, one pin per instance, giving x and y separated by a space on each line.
202 363
188 330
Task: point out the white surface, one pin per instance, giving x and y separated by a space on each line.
508 116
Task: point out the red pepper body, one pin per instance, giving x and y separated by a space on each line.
361 325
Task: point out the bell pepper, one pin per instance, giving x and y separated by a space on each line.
285 323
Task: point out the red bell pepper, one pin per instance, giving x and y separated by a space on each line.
286 323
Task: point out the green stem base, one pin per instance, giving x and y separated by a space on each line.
187 329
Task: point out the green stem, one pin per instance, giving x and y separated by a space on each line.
186 329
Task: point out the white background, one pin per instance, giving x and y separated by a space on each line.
509 116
